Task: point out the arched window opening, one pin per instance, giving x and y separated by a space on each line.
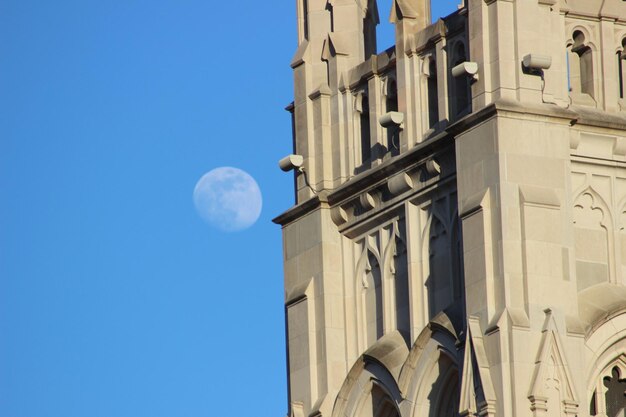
432 87
391 104
621 70
581 74
444 395
382 405
362 108
613 402
431 383
448 398
460 85
615 394
391 95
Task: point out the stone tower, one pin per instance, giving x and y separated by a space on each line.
458 243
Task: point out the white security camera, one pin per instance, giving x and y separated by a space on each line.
291 162
466 68
537 62
391 119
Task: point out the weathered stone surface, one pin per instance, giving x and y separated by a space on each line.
471 260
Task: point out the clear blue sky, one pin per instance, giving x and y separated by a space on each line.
116 300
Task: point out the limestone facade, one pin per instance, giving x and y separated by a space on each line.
458 243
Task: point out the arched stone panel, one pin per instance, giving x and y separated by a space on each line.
430 377
607 371
369 292
593 239
370 389
583 71
437 253
396 278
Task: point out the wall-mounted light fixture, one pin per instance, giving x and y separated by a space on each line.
291 162
392 119
537 62
466 69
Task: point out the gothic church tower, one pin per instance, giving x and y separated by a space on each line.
458 242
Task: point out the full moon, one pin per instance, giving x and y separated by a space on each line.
228 199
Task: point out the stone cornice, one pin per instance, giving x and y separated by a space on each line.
386 170
365 189
302 209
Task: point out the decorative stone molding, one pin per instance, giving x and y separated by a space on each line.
322 91
301 54
477 392
400 184
368 200
359 98
552 377
540 197
376 368
609 383
336 44
339 215
396 182
619 147
433 167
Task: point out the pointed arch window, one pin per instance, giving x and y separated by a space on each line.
461 93
391 94
581 66
430 69
361 107
382 404
391 104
